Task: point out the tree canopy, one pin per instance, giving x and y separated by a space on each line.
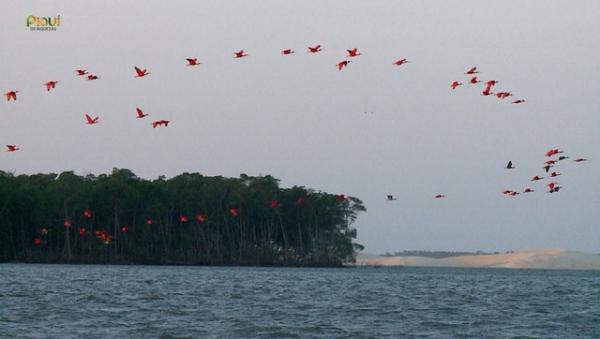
189 219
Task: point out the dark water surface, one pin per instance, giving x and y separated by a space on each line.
61 301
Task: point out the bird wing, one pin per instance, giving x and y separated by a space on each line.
89 119
139 71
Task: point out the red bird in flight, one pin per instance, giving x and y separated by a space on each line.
140 113
11 95
12 148
520 101
474 80
50 85
580 159
528 190
536 178
140 72
439 196
400 62
472 70
455 84
92 121
353 52
192 62
81 72
240 54
159 123
315 49
287 51
342 64
92 77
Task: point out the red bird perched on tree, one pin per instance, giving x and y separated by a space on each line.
536 178
342 64
184 218
140 72
67 223
125 229
92 121
82 231
580 159
92 77
239 54
149 221
315 49
192 62
274 203
400 62
159 123
520 101
37 241
455 84
341 197
301 201
201 217
439 196
353 52
140 113
87 213
11 95
474 80
81 72
233 212
12 148
287 51
472 70
50 85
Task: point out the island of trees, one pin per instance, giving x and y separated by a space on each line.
189 219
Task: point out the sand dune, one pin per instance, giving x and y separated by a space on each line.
552 258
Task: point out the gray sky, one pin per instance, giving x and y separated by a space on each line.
301 120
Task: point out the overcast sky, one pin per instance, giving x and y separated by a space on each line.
301 120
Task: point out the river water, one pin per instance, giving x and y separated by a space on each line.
80 301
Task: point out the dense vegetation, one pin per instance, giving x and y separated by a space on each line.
189 219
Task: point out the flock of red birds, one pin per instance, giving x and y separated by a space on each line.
352 53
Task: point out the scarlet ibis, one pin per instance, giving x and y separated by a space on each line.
81 72
92 77
140 113
12 148
341 197
50 85
520 101
274 203
184 218
486 92
439 196
342 64
550 162
300 201
455 84
472 70
400 62
553 151
192 62
315 49
353 52
201 217
555 189
492 83
140 72
536 178
287 51
554 174
507 192
513 193
11 95
552 185
390 197
509 165
474 80
580 159
125 229
234 212
503 95
149 221
159 123
82 231
240 54
528 190
67 223
92 121
562 157
87 213
37 241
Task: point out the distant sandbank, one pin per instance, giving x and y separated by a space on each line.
551 258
